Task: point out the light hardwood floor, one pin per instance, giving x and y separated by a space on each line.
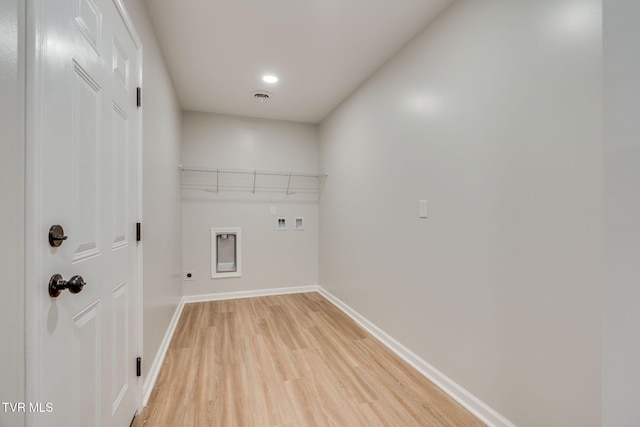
288 360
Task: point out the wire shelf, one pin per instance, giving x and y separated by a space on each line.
215 180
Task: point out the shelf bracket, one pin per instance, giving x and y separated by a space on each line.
289 183
255 174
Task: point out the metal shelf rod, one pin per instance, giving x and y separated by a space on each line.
250 172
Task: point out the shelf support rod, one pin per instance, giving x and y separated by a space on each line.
289 183
255 174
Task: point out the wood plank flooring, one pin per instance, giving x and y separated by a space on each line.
288 360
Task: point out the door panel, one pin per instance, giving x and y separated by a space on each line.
120 340
87 192
89 149
120 176
120 64
88 18
86 366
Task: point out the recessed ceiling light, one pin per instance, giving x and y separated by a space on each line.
269 79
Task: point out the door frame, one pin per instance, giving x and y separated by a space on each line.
35 283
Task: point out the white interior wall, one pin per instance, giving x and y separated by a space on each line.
493 114
621 293
12 186
270 258
161 227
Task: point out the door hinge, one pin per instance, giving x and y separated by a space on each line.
138 231
139 97
139 367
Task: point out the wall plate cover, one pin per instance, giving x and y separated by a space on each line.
226 252
423 210
281 224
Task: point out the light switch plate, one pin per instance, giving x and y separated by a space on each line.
423 210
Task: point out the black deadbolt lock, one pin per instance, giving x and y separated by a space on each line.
56 236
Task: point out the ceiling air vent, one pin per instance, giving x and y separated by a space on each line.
261 95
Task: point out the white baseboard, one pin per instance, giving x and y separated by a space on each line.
151 378
249 294
446 384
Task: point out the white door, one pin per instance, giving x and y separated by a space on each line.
85 85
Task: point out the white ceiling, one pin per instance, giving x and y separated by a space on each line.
218 50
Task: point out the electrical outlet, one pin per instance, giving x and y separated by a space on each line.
189 275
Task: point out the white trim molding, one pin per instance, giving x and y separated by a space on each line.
474 405
250 294
150 379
